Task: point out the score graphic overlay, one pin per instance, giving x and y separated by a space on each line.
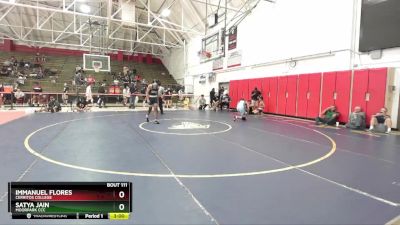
65 200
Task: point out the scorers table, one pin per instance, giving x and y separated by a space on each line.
66 200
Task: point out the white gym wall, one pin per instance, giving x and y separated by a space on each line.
274 33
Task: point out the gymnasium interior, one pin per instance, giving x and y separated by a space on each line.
200 112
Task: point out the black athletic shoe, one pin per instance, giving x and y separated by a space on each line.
156 122
147 119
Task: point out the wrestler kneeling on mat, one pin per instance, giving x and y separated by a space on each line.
152 95
242 109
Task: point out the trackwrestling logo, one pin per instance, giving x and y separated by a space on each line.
188 126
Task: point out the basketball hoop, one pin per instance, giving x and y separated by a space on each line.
204 55
96 68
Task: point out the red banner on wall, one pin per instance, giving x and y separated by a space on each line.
232 42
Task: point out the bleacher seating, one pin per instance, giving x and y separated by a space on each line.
64 67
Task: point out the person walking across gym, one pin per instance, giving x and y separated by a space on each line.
152 100
161 92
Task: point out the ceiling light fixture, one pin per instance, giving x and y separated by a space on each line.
165 13
85 8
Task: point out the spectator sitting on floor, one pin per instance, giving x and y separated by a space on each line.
259 108
225 100
202 103
250 107
52 106
356 119
19 96
215 103
381 122
328 117
81 105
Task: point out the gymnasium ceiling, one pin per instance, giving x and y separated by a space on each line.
65 23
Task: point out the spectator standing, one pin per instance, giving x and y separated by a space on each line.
132 98
21 80
254 96
37 60
1 95
220 93
212 97
88 94
161 92
101 90
65 94
180 94
126 94
77 68
168 98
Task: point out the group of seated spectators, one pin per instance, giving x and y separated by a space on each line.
222 100
217 101
24 68
380 122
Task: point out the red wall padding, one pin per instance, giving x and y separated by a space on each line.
265 93
301 95
377 91
282 86
273 95
328 90
291 95
360 89
233 93
342 101
314 89
302 98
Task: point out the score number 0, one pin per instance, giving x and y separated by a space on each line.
121 206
